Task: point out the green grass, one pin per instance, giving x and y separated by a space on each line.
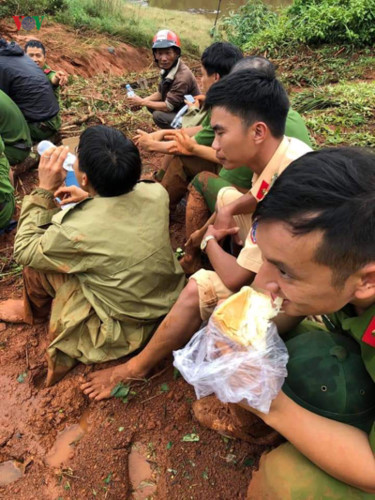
341 114
137 24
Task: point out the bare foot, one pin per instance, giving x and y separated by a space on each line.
12 311
101 383
191 263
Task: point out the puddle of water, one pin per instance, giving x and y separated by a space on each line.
63 449
10 471
140 473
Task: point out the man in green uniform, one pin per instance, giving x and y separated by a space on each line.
14 130
27 86
316 231
37 52
106 263
7 202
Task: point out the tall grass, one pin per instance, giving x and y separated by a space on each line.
137 24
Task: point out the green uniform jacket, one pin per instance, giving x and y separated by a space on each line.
347 322
123 278
56 88
7 202
13 126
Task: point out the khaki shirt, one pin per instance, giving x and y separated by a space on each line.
124 275
289 150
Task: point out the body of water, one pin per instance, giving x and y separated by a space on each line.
208 7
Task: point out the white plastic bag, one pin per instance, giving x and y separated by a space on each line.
213 363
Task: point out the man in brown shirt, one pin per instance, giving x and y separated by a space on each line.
176 80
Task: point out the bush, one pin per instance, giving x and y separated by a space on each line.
241 26
31 7
311 22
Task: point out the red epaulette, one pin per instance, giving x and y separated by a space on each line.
262 191
47 71
369 335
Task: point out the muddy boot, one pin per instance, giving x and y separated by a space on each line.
233 421
28 164
197 214
175 182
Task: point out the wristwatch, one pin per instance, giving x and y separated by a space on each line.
206 240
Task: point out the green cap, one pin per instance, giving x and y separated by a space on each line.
327 376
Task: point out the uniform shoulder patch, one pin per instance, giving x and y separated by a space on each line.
369 335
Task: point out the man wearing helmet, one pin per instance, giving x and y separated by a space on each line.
176 80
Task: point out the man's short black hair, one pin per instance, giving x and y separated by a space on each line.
110 160
333 191
220 57
256 62
252 96
35 44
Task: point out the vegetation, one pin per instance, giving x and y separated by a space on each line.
339 114
308 22
132 23
135 24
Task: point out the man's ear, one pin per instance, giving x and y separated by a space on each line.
259 132
366 286
216 77
84 180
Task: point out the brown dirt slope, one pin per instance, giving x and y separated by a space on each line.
82 54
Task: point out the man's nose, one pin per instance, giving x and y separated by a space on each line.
215 144
266 279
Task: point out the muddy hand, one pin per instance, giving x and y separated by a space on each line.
185 145
140 137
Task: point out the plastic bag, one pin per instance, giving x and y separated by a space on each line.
213 363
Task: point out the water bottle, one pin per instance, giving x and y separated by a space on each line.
177 120
129 91
69 160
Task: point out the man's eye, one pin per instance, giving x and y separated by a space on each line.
284 274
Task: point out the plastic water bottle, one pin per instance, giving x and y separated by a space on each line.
177 120
129 91
69 160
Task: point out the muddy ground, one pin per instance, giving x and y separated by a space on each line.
55 443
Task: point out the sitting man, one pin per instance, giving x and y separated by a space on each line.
106 264
248 116
37 52
14 130
7 202
316 231
205 187
176 80
216 62
28 87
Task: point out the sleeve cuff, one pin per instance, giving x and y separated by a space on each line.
43 198
169 105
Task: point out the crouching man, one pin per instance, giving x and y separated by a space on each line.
316 231
103 270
